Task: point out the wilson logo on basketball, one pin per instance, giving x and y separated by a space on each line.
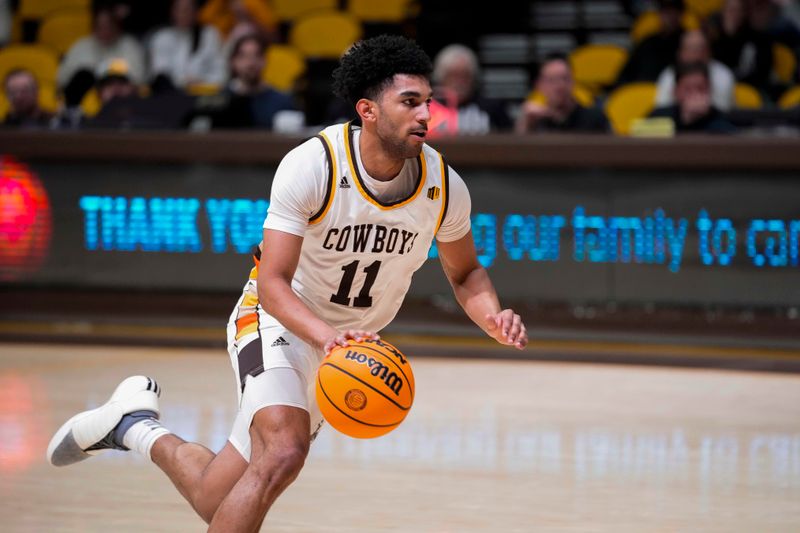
379 370
355 399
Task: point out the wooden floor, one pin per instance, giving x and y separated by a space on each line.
488 447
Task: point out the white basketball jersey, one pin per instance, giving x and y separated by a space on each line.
359 254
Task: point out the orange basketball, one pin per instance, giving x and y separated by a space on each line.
366 389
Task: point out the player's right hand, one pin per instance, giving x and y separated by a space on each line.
343 338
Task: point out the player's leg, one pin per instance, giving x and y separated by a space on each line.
279 437
206 483
129 421
202 477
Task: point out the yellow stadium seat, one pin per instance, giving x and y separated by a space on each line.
582 95
60 30
746 97
38 9
783 62
790 98
39 59
629 102
325 34
597 65
203 89
383 11
283 65
649 23
90 105
289 10
704 8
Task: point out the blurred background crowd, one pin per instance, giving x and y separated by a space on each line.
607 66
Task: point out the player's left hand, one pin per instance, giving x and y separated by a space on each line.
506 327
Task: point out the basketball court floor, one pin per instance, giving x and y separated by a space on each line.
489 446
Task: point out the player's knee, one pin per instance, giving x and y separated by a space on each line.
290 460
280 465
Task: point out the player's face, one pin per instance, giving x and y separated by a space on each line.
404 113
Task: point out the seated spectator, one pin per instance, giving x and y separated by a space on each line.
773 17
251 102
560 111
22 93
187 53
456 77
124 107
655 53
693 110
734 42
695 49
106 42
114 81
236 18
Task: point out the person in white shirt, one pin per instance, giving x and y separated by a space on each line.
695 48
106 42
187 52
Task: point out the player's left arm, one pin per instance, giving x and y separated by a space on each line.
476 293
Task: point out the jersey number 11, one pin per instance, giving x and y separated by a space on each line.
342 296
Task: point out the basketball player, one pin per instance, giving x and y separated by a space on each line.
352 215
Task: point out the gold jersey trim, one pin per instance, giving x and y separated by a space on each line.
332 180
421 174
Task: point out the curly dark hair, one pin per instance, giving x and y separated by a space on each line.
369 66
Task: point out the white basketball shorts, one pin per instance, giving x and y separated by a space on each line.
272 367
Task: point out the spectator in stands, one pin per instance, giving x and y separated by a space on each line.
560 111
187 53
695 49
106 42
252 103
693 110
124 107
456 77
22 94
236 18
773 17
734 42
114 81
656 52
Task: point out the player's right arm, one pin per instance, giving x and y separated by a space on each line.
275 293
298 191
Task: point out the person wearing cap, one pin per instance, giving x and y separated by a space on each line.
114 80
107 41
655 53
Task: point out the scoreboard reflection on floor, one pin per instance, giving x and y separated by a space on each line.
697 238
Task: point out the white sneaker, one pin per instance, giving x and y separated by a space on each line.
90 432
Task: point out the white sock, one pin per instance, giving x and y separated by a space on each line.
142 435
